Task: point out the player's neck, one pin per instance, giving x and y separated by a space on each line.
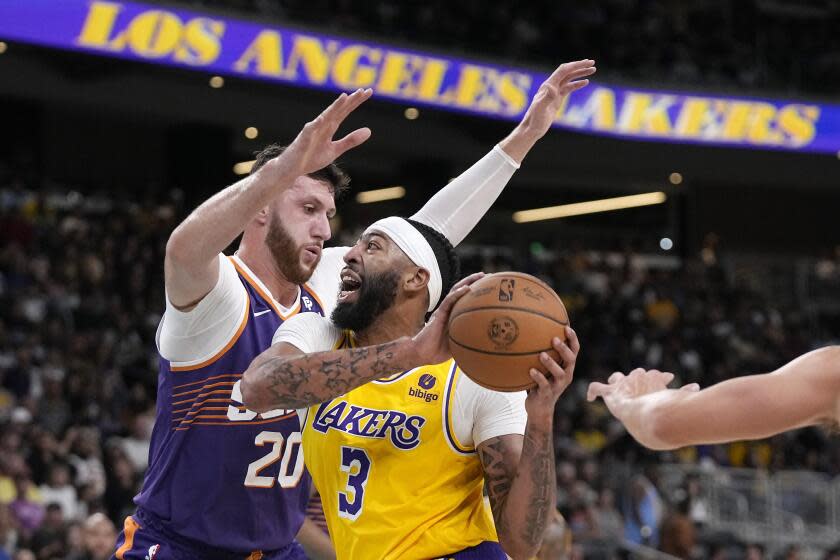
257 258
389 326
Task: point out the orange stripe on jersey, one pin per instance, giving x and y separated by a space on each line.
130 527
219 392
202 403
219 384
208 379
314 295
221 352
194 422
267 297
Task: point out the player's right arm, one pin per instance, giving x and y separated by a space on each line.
295 373
801 393
191 264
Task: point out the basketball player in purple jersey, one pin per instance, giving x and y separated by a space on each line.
224 481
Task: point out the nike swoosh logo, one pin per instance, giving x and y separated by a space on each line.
262 312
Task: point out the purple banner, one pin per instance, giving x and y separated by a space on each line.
229 46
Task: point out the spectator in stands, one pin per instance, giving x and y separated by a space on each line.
755 551
59 490
679 536
49 541
27 510
609 521
98 535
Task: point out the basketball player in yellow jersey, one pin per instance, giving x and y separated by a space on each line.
804 392
400 462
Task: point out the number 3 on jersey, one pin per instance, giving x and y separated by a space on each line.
356 463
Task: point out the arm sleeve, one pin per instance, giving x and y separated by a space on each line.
325 280
480 414
200 333
457 208
308 332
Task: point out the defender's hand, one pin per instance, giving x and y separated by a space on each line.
314 147
552 93
620 390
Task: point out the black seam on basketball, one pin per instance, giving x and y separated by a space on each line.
509 308
480 351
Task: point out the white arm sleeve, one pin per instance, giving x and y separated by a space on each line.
457 208
308 332
326 278
479 414
200 333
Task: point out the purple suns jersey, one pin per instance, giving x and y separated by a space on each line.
220 474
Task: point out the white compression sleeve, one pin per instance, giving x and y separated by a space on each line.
457 208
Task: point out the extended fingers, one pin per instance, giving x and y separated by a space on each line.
352 140
540 379
598 390
567 356
568 68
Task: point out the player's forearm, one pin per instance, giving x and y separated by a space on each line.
532 499
519 142
301 380
211 227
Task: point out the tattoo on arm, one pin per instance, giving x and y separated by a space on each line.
306 379
540 454
498 477
520 485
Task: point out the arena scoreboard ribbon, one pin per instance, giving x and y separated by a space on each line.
233 47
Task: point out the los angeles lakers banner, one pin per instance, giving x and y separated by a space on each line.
233 47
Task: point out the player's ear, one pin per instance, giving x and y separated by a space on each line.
262 216
416 280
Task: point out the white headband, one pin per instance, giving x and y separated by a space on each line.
416 248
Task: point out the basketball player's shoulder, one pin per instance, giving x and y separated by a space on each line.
308 332
480 413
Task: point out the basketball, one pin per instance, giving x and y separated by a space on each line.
497 330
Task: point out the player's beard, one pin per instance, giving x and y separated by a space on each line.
376 295
286 254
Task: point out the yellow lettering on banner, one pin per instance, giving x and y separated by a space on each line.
154 34
761 129
737 122
99 24
471 87
264 53
201 41
309 52
599 109
799 123
399 74
642 113
513 91
693 117
348 70
434 72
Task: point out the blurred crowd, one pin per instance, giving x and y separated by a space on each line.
780 45
81 293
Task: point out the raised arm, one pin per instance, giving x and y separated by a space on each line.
457 208
804 392
285 377
191 263
519 470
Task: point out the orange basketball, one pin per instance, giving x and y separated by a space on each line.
497 330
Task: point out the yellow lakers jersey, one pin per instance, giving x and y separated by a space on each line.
394 480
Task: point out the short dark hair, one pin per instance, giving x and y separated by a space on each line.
332 174
447 258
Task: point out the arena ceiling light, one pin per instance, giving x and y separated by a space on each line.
243 167
378 195
590 207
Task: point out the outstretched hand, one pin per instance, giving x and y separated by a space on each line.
620 390
314 147
431 344
552 93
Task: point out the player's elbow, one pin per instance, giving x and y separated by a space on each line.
254 397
